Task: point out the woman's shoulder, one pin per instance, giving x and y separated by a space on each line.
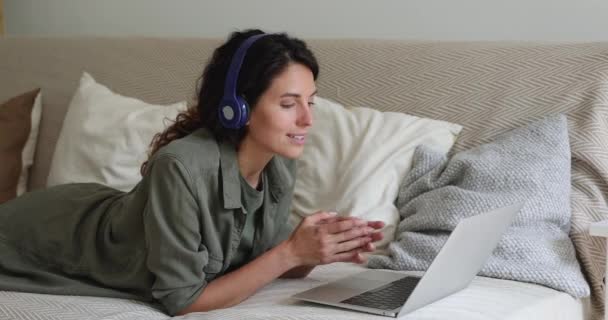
197 151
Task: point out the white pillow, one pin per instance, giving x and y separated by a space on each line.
105 136
355 159
27 155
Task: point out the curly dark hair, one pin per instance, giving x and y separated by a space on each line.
265 59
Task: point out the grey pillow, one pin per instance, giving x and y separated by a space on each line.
530 164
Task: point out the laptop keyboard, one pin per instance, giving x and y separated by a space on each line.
387 297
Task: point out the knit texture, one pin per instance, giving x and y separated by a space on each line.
529 164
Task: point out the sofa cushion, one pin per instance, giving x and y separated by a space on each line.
19 119
530 164
355 158
105 136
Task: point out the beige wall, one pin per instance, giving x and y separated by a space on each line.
551 20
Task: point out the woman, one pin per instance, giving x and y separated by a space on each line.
207 225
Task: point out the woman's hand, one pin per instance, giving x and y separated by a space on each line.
323 238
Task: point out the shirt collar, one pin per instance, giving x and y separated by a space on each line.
280 177
231 186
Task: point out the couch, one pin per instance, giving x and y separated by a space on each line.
487 87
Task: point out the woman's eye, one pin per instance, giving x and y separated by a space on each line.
288 105
310 104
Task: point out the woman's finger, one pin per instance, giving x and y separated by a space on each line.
377 236
318 217
352 234
334 219
375 224
359 258
352 244
370 247
344 225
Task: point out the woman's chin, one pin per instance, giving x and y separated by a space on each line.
293 153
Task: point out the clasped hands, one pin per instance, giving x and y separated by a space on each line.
323 238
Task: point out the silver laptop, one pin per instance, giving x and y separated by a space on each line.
395 294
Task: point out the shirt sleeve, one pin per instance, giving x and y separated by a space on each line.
176 256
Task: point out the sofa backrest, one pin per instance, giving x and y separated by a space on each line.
433 79
488 87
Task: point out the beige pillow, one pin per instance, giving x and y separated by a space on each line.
105 136
355 159
15 128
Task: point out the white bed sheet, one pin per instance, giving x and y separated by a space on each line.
485 299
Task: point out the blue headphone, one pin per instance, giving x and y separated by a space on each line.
233 109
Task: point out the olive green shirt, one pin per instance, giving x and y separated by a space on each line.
252 200
165 240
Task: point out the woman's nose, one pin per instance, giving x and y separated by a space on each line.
305 116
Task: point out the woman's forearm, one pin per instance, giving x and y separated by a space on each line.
236 286
297 272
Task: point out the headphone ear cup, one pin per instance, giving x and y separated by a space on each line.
243 111
234 113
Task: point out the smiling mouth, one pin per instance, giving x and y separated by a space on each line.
300 138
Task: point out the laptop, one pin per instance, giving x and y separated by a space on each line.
395 294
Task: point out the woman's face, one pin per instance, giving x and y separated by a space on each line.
282 116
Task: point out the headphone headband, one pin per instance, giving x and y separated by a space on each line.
233 110
236 63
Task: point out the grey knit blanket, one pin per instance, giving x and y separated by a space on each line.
529 164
